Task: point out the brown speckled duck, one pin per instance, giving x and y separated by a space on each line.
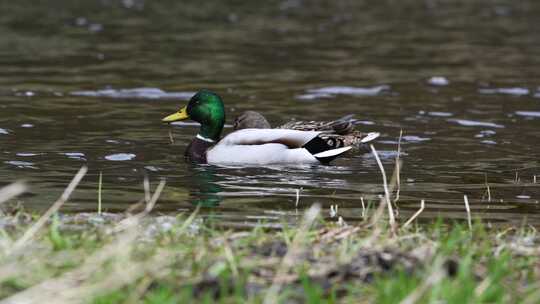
337 133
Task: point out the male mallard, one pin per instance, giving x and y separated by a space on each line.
248 146
337 133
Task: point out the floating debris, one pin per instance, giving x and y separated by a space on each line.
153 168
75 155
485 133
21 164
28 154
92 27
140 93
489 142
95 27
25 93
27 125
120 156
528 113
517 91
329 92
4 131
413 138
438 81
81 21
440 114
474 123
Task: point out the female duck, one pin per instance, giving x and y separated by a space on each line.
337 133
248 146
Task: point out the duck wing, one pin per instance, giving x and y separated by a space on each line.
341 126
356 139
272 146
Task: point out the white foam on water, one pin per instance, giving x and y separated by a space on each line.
120 156
25 93
474 123
516 91
440 114
489 142
485 133
27 154
74 155
438 81
139 93
327 92
153 168
413 138
21 164
528 113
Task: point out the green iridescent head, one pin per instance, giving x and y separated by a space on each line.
206 108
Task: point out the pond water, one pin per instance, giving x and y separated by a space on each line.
87 83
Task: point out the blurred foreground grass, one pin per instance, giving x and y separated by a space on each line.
143 258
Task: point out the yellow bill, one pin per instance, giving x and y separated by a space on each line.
180 115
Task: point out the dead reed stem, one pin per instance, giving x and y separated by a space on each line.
437 274
297 197
78 285
146 186
363 208
398 169
488 189
292 256
123 224
11 191
53 209
63 288
391 217
171 137
153 200
468 209
99 191
422 205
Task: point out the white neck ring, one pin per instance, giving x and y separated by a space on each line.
199 136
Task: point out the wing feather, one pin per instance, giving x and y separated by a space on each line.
289 138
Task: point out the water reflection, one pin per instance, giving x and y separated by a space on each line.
89 85
207 186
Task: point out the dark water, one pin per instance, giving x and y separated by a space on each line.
87 82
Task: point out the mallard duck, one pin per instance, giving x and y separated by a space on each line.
337 133
248 146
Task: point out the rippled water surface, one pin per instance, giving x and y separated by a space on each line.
87 83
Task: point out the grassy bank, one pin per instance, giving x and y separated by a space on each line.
142 257
132 258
